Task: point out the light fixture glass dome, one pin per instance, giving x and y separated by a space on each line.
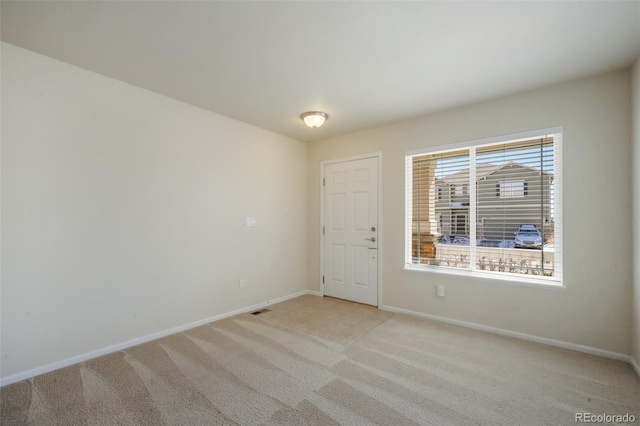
314 119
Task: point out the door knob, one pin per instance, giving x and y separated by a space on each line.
372 239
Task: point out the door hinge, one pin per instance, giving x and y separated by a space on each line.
323 230
323 182
323 279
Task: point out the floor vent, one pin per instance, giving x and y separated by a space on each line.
261 311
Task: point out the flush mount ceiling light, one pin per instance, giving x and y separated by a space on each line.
314 119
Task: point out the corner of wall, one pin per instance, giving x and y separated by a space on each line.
635 178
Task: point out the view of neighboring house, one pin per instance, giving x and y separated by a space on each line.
508 195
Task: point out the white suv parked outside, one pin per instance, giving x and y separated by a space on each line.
528 236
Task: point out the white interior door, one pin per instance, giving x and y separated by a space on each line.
350 258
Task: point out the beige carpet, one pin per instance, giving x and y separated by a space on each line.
321 361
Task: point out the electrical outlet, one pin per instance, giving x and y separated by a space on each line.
440 290
241 283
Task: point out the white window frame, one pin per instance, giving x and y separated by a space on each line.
556 281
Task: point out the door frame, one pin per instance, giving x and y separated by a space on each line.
378 156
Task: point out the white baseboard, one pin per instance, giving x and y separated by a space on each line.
517 335
314 293
24 375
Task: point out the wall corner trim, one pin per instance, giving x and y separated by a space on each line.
635 365
24 375
529 337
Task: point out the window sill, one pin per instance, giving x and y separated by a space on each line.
491 277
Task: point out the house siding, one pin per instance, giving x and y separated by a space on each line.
498 217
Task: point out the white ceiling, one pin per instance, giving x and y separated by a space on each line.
364 63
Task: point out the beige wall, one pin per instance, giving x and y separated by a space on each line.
635 349
594 310
123 212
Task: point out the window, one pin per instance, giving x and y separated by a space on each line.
504 216
513 189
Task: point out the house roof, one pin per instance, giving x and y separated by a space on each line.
482 171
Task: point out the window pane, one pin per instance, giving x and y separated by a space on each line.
515 207
440 217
